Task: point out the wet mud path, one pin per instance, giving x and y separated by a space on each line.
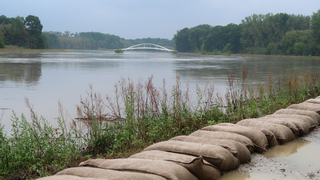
298 159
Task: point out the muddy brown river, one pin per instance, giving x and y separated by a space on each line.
298 159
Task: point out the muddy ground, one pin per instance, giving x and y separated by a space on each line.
299 159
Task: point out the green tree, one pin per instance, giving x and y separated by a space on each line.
181 40
1 43
34 26
297 42
19 33
260 31
315 26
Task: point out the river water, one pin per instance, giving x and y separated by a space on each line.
48 77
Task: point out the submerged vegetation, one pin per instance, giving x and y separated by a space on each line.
118 51
139 114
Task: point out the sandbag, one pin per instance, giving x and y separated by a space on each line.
315 116
306 119
200 168
91 172
236 148
166 169
284 122
225 135
69 177
306 106
216 155
302 126
259 140
272 141
282 133
315 101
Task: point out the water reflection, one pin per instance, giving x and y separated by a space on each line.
21 73
287 149
236 175
294 160
216 68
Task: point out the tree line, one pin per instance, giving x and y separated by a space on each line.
27 33
22 32
257 34
96 40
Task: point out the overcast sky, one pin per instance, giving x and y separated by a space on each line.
132 19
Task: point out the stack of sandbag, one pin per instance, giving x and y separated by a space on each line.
206 152
309 106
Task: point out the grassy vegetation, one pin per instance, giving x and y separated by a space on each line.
139 115
118 51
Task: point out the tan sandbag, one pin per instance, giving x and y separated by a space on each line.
69 177
315 101
90 172
272 141
216 155
308 120
306 106
284 122
225 135
282 133
200 168
315 116
236 148
166 169
259 140
302 126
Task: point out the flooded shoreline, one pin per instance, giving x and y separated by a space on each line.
298 159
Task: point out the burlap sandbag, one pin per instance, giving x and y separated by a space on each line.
202 169
225 135
69 177
259 140
216 155
313 115
90 172
303 127
282 133
236 148
284 122
272 140
311 123
306 106
315 101
166 169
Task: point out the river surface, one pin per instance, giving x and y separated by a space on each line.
49 77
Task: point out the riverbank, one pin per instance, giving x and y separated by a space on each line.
252 55
147 115
282 56
20 49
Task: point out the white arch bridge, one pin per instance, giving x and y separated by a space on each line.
147 46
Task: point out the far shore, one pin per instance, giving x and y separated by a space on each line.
17 49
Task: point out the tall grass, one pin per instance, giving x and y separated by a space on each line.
35 148
137 115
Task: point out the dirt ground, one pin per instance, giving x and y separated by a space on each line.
299 159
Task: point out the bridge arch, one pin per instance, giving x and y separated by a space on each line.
147 46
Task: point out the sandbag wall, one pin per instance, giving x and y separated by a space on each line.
206 152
